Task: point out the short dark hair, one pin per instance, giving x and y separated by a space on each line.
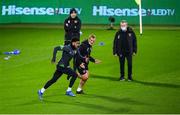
74 40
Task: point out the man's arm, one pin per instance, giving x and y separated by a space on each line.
134 43
67 25
96 61
77 26
92 59
57 48
79 57
74 62
78 61
114 44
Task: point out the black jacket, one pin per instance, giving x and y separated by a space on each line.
84 53
72 28
67 54
120 46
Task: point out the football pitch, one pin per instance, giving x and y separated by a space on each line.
156 73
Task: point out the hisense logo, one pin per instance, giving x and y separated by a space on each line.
14 10
97 11
105 11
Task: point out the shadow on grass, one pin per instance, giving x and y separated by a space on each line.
104 77
166 85
31 102
91 106
117 100
155 84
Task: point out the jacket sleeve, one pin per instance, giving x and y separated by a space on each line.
57 48
79 58
77 26
67 26
74 62
115 44
134 42
91 59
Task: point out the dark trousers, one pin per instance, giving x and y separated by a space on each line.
129 63
58 73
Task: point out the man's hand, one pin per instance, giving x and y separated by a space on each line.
97 61
115 55
134 53
82 65
86 59
83 77
79 75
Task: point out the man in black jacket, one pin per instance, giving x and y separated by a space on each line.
72 27
83 57
125 45
68 52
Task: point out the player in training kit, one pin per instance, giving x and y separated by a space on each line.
68 53
83 57
72 27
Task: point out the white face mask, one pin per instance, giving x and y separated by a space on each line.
73 15
123 28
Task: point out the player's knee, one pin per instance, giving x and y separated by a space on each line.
85 77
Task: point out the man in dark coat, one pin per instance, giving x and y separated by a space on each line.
125 45
72 27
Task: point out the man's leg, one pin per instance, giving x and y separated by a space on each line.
122 61
55 77
72 81
129 60
74 75
82 83
74 68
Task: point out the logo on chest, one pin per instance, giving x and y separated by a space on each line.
71 53
129 34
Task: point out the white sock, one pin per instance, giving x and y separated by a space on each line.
79 89
43 90
69 89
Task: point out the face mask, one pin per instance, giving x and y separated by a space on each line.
123 28
73 15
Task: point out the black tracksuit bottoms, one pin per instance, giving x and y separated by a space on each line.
58 73
122 58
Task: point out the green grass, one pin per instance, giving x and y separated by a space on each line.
156 70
